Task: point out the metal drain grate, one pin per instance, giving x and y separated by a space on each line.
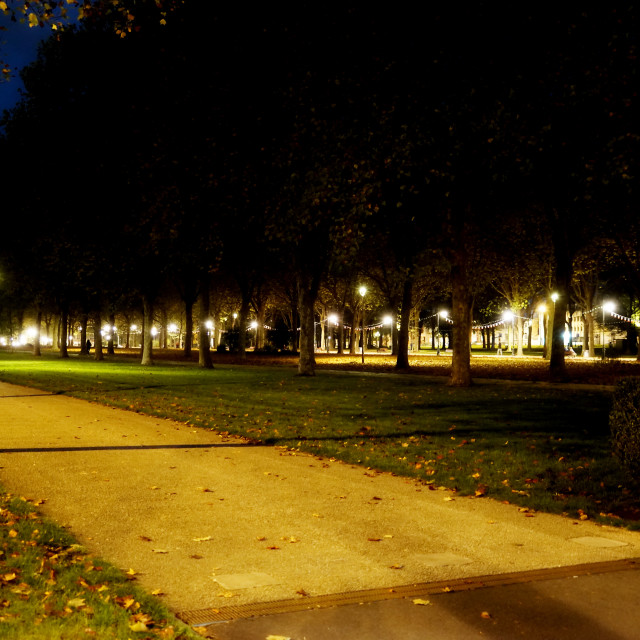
205 617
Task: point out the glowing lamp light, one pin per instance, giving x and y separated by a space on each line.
362 290
388 320
254 325
154 331
209 324
554 297
443 314
134 327
609 306
333 318
172 328
508 316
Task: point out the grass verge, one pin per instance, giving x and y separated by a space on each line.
543 447
52 589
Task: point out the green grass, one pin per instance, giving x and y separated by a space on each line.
51 588
547 448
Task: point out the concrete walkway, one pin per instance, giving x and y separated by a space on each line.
218 525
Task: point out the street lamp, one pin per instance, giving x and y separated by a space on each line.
606 307
362 290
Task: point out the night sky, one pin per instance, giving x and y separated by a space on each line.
18 47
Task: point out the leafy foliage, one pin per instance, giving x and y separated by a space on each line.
624 421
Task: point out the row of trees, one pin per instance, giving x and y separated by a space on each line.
289 154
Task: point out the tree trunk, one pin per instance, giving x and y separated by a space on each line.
519 329
112 325
261 312
36 339
188 328
64 332
97 336
402 360
84 326
243 321
341 332
204 340
586 338
461 311
147 323
353 343
307 293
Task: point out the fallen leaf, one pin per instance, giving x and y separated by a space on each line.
76 603
159 551
481 490
374 539
205 539
302 592
396 566
278 638
273 547
486 615
138 626
420 601
145 538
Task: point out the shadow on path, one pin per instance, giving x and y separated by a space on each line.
141 447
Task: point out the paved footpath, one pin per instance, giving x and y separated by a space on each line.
223 528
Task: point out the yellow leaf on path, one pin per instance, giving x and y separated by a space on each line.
486 615
421 601
131 572
3 6
203 539
278 638
33 20
449 499
159 551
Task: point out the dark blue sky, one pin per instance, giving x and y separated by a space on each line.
18 47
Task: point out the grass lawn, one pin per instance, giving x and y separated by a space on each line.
544 447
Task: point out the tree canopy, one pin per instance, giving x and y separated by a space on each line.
446 156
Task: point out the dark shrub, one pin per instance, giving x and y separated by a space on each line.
624 421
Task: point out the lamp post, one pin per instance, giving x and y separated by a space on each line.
606 307
362 291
